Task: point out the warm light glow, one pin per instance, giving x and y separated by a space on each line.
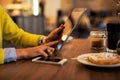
35 7
64 37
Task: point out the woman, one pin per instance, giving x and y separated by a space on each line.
36 44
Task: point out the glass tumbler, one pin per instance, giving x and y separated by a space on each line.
98 39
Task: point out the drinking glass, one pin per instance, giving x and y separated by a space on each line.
113 36
97 39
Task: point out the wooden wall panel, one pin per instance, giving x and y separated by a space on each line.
5 2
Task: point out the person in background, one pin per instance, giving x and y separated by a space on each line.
34 45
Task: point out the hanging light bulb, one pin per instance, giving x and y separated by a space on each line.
35 7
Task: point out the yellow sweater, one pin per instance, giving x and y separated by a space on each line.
10 31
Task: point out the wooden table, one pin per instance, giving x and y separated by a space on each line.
72 70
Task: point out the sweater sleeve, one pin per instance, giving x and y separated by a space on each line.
1 56
17 35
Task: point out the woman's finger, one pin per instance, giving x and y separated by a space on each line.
61 27
43 53
52 43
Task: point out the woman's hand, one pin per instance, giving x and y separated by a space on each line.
35 51
54 35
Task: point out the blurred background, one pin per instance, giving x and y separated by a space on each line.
42 16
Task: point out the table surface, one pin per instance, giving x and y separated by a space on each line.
72 70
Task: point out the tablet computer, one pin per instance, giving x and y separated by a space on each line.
70 24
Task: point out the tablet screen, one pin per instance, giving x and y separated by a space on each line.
70 24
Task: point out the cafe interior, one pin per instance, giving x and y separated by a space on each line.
43 16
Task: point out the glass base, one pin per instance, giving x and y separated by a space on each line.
111 50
